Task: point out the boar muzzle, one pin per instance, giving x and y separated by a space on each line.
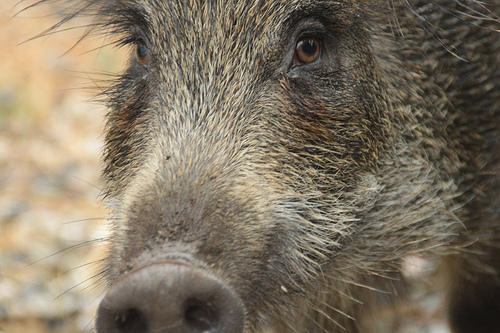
170 297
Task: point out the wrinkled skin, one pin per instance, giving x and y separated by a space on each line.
303 186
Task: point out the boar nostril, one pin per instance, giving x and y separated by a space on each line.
132 320
201 316
170 298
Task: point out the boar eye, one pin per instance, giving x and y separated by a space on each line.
307 50
142 53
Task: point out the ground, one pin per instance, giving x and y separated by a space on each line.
50 138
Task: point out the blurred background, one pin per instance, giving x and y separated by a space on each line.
50 204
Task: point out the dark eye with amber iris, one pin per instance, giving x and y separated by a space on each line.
142 53
307 51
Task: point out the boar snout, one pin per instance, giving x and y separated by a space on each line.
170 297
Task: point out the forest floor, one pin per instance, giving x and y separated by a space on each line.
50 139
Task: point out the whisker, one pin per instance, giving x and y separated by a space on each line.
75 286
86 265
87 220
69 248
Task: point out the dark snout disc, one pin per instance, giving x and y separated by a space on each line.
169 297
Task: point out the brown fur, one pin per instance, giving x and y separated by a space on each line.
305 188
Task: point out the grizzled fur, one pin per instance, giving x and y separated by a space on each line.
305 187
